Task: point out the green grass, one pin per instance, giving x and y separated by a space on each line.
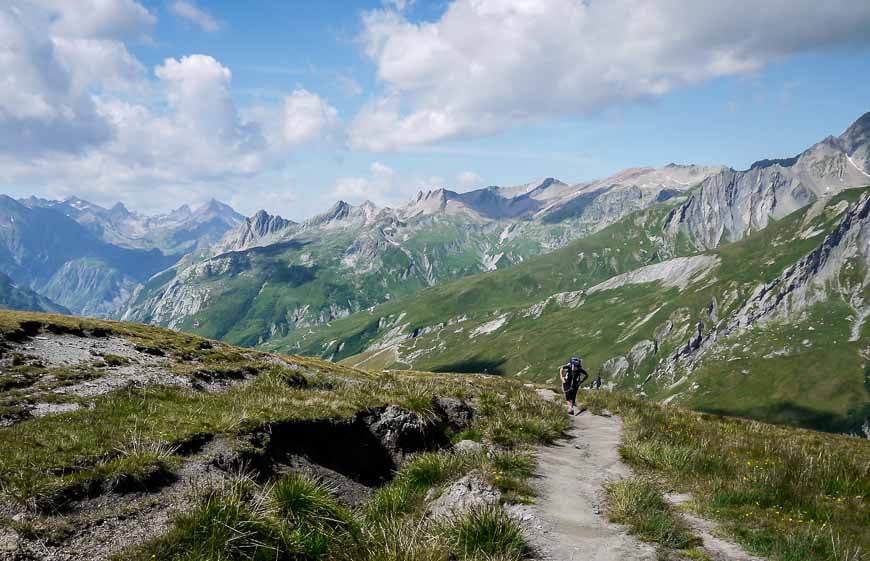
638 503
298 517
788 494
485 534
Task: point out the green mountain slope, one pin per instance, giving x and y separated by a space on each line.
679 326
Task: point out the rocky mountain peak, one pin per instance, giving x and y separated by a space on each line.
341 210
859 130
181 213
856 142
263 223
215 209
119 210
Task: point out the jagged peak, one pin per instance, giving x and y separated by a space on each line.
119 208
80 204
860 126
215 208
857 135
183 209
338 211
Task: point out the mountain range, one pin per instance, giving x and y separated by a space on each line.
748 296
661 277
270 276
90 259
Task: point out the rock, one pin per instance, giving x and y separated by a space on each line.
399 430
640 351
468 446
457 413
468 493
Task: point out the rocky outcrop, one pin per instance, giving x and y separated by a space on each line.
469 493
829 270
674 273
260 229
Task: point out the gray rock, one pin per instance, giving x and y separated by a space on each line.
468 493
468 446
457 413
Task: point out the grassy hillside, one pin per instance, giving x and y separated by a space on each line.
178 465
525 320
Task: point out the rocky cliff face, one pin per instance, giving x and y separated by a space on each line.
14 297
839 268
732 204
256 231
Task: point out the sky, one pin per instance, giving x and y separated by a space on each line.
291 105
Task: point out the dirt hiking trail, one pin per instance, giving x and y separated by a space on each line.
571 524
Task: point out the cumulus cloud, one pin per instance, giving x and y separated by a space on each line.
98 19
78 112
380 186
306 117
488 64
44 99
196 15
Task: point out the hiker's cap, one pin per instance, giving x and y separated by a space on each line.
575 360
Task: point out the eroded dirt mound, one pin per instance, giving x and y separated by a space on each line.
354 455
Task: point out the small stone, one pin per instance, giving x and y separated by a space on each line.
9 543
468 446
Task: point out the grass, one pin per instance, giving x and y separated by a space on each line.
485 534
132 440
788 494
638 502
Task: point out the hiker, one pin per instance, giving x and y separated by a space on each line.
572 375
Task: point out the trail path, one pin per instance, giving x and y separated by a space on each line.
570 485
569 520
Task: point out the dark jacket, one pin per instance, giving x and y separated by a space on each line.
573 377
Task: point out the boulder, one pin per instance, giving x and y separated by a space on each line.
466 494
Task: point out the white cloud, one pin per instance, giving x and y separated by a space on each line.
80 114
99 19
384 186
468 180
380 186
193 13
306 117
488 64
43 101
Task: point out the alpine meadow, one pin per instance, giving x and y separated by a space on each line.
407 280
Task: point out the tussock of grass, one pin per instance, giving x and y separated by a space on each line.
486 533
509 471
639 504
115 360
788 494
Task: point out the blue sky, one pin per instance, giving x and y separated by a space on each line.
292 105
